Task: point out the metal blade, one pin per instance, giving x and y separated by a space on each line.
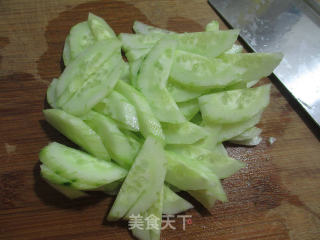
288 26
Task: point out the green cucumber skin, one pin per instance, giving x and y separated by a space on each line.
51 93
152 81
120 109
116 142
142 28
235 105
66 55
149 124
77 131
144 181
90 171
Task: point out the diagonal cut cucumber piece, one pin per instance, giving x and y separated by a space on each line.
173 203
235 105
100 28
100 84
152 81
77 131
90 171
183 133
189 108
120 109
147 171
121 149
149 125
81 69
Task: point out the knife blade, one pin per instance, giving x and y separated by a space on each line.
288 26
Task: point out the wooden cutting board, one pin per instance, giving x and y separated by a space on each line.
277 196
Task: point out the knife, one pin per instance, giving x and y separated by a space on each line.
288 26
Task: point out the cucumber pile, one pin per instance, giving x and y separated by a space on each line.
154 124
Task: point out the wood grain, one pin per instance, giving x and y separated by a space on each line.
277 196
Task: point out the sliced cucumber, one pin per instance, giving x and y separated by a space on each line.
116 142
80 38
219 164
186 174
182 94
208 197
248 134
234 106
155 212
229 131
100 28
142 28
66 55
250 142
120 109
236 48
81 69
58 180
257 65
152 81
213 133
209 44
100 84
144 181
212 26
202 74
51 93
189 109
134 71
173 203
148 124
183 133
89 170
77 131
68 191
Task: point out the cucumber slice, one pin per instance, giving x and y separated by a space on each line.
213 133
81 69
96 88
125 75
221 149
173 203
153 78
134 70
189 109
80 38
250 142
208 197
117 143
210 44
137 53
57 180
248 134
77 131
234 106
257 65
182 94
183 133
186 174
51 93
100 28
201 74
68 191
155 212
66 55
120 109
89 170
219 164
142 28
212 26
145 176
229 131
148 124
236 48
